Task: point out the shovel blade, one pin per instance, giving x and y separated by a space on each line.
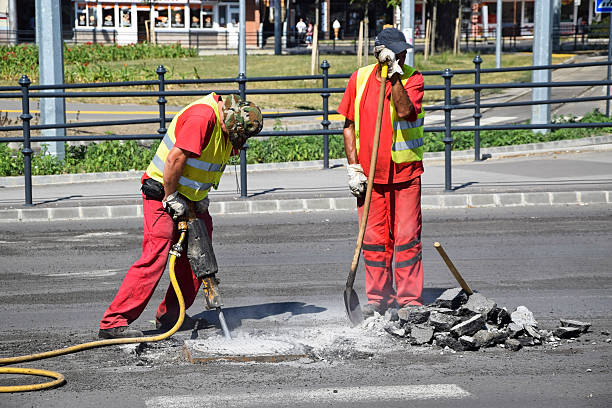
352 307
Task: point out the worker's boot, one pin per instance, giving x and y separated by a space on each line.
121 332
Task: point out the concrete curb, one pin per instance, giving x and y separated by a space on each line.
429 202
594 143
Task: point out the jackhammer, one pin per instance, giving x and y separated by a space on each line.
204 265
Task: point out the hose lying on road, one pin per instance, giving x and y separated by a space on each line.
59 378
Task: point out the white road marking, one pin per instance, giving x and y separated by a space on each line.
319 396
101 234
88 274
496 119
468 121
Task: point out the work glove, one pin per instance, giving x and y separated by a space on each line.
202 205
174 205
357 180
386 56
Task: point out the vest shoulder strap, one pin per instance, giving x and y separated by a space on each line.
362 77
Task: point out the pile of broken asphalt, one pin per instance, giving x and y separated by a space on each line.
460 322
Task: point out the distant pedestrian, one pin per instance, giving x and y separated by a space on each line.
301 30
309 33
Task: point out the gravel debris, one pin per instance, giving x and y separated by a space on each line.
458 322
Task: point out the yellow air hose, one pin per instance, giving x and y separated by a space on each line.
59 378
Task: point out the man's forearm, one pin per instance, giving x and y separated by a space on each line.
401 101
173 168
350 145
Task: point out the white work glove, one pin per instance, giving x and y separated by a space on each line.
174 205
202 205
357 180
386 56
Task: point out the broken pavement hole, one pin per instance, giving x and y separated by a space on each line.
243 349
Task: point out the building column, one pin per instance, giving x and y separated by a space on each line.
590 19
325 19
522 15
423 16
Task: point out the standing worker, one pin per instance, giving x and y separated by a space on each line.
393 231
188 162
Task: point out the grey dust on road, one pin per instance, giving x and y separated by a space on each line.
282 278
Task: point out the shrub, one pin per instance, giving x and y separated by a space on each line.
82 61
121 156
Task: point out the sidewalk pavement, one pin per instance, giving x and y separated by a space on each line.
574 172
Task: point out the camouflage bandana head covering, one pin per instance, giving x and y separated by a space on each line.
242 118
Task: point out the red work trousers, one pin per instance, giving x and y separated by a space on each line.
160 233
393 234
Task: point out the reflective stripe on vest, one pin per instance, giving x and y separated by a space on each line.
200 173
407 136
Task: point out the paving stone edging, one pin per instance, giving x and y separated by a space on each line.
429 202
603 142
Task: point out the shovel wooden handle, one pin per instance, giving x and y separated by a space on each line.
452 268
366 205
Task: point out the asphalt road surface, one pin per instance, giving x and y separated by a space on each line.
283 275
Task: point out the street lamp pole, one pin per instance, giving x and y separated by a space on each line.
408 28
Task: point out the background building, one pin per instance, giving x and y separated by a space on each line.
214 23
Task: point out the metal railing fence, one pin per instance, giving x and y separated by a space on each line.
25 91
514 36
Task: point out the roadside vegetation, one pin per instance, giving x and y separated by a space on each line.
128 155
97 63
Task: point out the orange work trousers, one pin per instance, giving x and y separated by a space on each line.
392 243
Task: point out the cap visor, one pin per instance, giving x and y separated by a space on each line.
401 48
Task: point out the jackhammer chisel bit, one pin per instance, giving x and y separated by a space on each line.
204 265
213 300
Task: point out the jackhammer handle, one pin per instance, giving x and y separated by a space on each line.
368 197
452 268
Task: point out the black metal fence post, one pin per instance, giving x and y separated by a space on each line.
161 71
477 115
448 139
27 151
243 154
325 122
576 36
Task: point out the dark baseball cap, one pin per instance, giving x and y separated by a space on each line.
393 39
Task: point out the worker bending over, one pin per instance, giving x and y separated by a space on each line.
393 232
189 161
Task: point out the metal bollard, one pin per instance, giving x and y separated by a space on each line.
161 71
243 156
448 139
477 115
325 122
27 151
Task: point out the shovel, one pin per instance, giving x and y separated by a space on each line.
351 300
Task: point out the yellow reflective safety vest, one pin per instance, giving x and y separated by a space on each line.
200 173
407 136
